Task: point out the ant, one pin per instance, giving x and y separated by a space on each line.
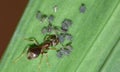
34 50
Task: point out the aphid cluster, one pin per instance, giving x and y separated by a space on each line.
61 34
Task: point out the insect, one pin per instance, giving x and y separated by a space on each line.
50 18
63 36
59 37
65 25
41 17
66 50
82 8
47 29
38 15
34 50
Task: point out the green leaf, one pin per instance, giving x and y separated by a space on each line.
96 37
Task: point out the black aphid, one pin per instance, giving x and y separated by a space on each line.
61 37
68 36
65 24
44 30
47 29
82 8
64 51
38 15
59 54
50 18
64 36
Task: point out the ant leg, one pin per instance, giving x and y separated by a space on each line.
53 49
32 40
47 60
46 37
21 55
40 61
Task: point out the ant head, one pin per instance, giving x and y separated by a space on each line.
33 53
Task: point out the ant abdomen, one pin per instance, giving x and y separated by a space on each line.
33 52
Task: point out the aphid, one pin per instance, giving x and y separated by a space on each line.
59 54
82 8
61 37
41 16
44 30
38 15
64 36
47 29
65 50
62 52
65 24
68 36
55 8
50 18
34 50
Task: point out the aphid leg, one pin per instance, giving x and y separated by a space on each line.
21 55
47 60
40 62
32 40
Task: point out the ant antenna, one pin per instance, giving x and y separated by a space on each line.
32 40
